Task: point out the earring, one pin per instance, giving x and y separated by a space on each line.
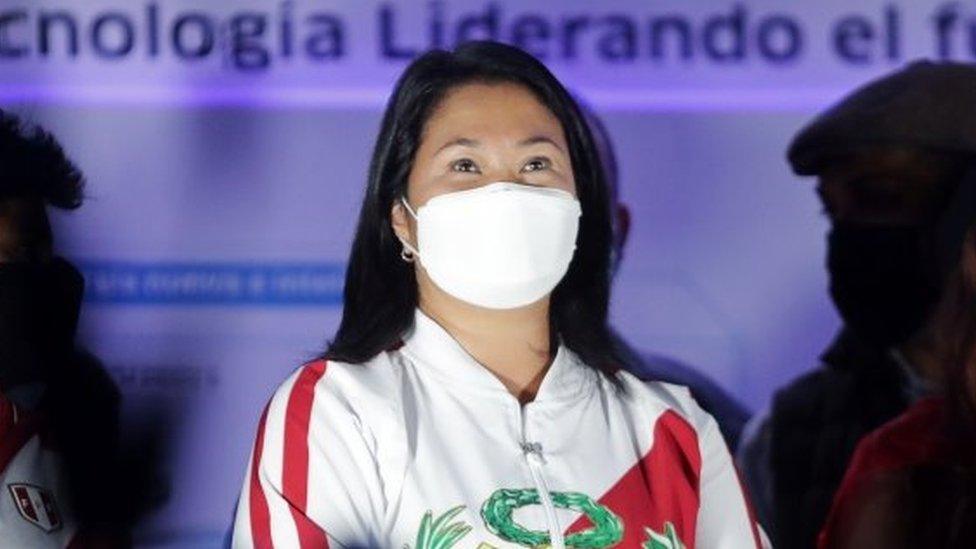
406 255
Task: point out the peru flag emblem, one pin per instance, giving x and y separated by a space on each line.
36 505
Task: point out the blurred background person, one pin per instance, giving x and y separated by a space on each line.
59 409
912 483
889 160
727 411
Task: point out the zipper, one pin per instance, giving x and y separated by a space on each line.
533 455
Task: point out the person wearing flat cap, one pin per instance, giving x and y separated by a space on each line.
896 176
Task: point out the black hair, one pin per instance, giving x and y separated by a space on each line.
381 289
604 147
33 165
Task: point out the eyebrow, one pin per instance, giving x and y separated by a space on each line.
536 139
468 142
458 142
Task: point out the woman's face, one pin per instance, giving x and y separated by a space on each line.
480 134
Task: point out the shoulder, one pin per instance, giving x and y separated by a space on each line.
810 387
823 396
845 361
329 379
853 378
672 405
8 415
682 430
913 438
17 427
326 394
877 485
730 414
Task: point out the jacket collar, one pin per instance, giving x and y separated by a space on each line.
434 350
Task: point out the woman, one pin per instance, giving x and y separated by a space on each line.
912 482
472 396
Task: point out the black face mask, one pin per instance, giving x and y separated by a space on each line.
39 306
887 280
884 280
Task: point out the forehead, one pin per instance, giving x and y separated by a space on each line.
907 164
910 172
491 110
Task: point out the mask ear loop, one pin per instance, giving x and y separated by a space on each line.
408 253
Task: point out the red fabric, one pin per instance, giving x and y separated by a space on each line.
16 428
295 470
661 487
260 516
8 416
911 439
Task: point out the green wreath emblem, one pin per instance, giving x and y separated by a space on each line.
668 540
497 512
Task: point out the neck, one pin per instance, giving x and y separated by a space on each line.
513 344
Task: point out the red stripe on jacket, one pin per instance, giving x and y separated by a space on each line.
295 470
260 517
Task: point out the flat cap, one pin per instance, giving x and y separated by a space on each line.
927 105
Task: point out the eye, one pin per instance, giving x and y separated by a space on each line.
464 165
536 164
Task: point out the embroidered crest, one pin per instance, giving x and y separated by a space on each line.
606 530
668 540
36 505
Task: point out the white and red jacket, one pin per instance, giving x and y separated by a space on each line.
422 447
34 507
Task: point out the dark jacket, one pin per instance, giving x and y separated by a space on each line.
810 434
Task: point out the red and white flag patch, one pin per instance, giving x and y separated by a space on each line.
36 505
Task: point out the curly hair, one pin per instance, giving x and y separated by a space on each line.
33 165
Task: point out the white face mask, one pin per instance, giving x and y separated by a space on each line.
500 246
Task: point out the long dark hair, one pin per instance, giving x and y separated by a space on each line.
950 516
381 289
939 504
